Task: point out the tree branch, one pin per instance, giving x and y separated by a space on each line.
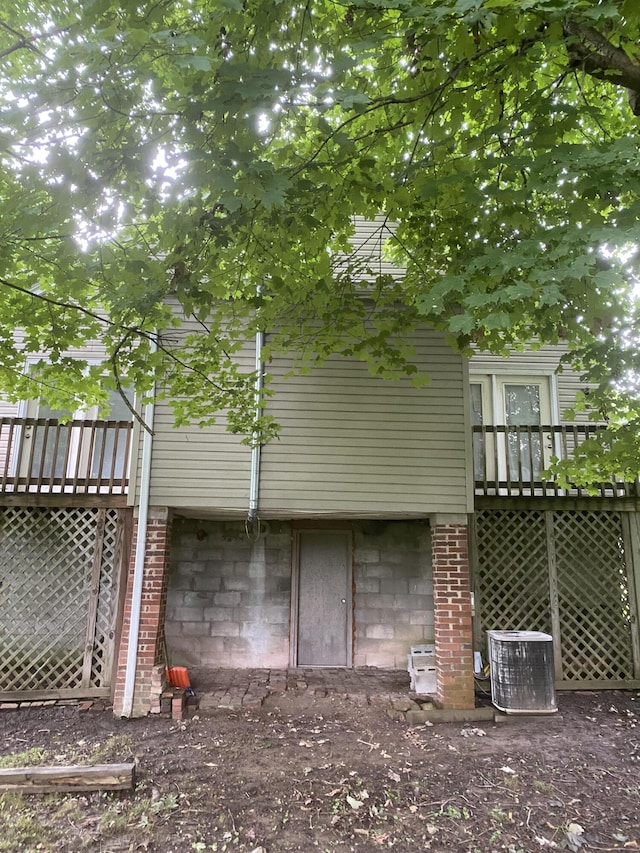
71 305
128 332
591 51
27 41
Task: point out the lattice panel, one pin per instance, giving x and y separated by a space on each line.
101 659
593 597
515 576
47 598
512 576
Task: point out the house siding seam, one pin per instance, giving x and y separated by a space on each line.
452 616
150 663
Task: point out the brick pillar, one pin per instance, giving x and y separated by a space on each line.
452 612
150 661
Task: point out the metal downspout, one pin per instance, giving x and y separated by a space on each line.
253 523
138 567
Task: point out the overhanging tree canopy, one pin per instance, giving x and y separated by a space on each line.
198 150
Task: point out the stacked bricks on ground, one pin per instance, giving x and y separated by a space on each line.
150 662
452 612
233 689
229 599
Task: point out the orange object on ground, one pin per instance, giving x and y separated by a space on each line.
178 676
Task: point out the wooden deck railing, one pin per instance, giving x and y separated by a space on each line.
39 455
511 460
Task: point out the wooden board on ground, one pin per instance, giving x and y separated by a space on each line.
45 780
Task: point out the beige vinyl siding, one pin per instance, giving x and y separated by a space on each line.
368 241
90 350
8 410
355 445
351 445
199 468
544 361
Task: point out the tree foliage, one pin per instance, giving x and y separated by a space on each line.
215 153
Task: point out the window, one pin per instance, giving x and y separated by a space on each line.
113 445
477 419
524 447
520 406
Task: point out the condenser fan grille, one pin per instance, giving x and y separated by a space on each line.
522 672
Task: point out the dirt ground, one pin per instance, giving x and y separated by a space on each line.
306 773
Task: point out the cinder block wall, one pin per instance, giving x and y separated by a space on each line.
229 599
393 591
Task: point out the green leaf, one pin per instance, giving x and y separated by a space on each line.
196 61
171 152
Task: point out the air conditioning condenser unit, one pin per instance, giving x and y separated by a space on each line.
522 672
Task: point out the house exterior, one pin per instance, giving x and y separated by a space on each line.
360 551
383 516
363 504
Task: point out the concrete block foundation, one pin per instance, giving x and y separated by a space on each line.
229 599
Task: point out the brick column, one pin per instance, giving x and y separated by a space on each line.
452 612
150 661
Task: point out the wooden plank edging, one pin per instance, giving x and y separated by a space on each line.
79 777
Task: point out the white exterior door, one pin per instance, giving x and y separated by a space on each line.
521 404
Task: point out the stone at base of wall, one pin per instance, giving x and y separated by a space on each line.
178 704
449 715
156 688
474 715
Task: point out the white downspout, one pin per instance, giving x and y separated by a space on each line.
256 447
138 566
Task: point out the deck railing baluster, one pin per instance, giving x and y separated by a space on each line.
40 455
520 453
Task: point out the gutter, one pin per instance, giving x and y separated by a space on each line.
138 566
